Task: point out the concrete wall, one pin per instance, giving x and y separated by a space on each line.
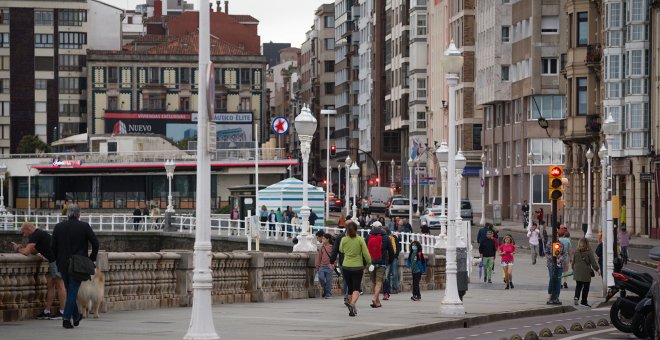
138 281
105 30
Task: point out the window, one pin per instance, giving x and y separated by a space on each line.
4 109
489 117
507 154
40 84
636 62
614 18
507 113
113 75
549 66
540 189
245 76
4 16
505 73
552 107
69 85
329 21
547 150
613 67
637 11
185 75
329 88
498 156
421 120
154 75
637 32
43 40
69 109
476 136
582 96
505 34
43 18
329 44
582 29
4 39
4 85
72 17
421 24
245 105
329 66
421 88
4 62
72 39
517 110
517 151
72 62
184 104
550 24
154 102
113 103
43 63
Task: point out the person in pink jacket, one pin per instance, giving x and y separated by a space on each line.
507 250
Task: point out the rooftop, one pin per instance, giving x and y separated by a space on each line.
185 44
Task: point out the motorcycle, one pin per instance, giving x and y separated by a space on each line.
643 321
623 310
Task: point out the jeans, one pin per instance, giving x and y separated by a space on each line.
415 285
584 287
387 289
535 251
554 283
325 279
624 254
394 270
71 306
488 267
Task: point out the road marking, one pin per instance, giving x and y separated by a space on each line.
473 335
585 335
460 337
527 326
513 329
501 330
488 332
537 324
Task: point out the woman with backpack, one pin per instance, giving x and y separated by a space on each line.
356 258
417 265
324 267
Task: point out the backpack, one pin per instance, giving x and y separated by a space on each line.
375 247
393 240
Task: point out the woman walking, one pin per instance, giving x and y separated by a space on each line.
507 250
356 258
584 268
417 265
324 267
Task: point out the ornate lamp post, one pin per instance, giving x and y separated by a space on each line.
339 181
355 170
169 169
3 172
610 128
443 154
590 157
602 154
482 221
530 161
392 164
348 163
201 320
460 165
451 304
410 178
305 125
328 171
378 172
419 200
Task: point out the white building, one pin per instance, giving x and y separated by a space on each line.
365 27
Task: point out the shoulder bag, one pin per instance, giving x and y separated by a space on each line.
81 268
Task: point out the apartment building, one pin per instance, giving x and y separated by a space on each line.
654 19
518 81
365 81
43 65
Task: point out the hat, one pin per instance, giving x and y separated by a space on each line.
376 224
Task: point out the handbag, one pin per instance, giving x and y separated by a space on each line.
591 271
81 268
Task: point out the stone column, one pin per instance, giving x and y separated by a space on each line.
183 274
255 276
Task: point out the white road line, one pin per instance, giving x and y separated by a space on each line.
527 326
513 328
537 324
488 332
460 337
585 335
473 335
501 330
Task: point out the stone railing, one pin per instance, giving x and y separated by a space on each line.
135 281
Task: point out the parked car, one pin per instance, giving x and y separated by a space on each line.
466 211
432 217
378 197
336 203
398 207
389 201
435 201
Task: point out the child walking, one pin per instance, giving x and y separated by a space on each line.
417 265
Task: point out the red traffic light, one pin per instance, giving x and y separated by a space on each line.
556 249
555 171
325 181
377 180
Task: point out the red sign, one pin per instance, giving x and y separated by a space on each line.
178 116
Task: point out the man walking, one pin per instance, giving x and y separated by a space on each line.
39 241
72 237
488 251
382 254
533 235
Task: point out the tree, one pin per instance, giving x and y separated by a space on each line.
31 144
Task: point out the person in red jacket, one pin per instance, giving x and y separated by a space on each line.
507 250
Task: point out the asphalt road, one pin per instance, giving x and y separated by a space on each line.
505 329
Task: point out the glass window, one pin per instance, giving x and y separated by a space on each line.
613 67
505 34
421 88
517 151
40 107
43 40
72 39
329 44
185 75
582 96
4 16
476 136
69 85
72 17
583 28
421 24
421 120
505 73
40 84
329 21
489 117
547 150
550 24
540 188
517 110
551 107
549 66
4 39
614 19
43 17
507 154
637 11
636 62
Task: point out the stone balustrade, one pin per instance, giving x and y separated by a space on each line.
147 280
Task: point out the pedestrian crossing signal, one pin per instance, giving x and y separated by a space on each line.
333 151
555 187
556 249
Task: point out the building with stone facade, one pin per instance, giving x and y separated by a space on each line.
43 65
654 208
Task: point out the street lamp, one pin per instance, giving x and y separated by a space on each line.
305 125
339 182
460 165
443 155
169 169
378 172
419 200
327 113
530 161
452 63
610 128
410 207
483 191
590 157
201 319
3 171
392 164
29 168
354 174
602 154
348 162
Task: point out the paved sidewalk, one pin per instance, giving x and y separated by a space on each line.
324 319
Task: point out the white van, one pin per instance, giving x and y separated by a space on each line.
378 197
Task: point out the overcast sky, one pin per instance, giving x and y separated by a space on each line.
280 21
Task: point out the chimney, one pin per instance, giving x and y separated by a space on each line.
158 8
217 4
226 6
211 7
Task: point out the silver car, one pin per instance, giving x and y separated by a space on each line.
399 207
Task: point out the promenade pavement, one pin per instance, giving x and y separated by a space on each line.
325 318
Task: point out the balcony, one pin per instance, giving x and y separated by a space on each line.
594 55
581 129
593 124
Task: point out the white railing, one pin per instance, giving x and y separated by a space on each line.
223 226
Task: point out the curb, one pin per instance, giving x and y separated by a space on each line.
464 322
644 263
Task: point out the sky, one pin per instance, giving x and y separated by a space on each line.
281 21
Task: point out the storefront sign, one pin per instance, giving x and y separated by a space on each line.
646 177
66 162
621 167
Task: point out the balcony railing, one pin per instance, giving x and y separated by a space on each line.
594 54
593 123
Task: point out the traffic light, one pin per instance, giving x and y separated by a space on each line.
333 151
555 187
556 249
377 181
371 182
325 182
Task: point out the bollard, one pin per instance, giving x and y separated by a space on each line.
546 333
561 330
531 335
515 337
589 325
576 327
603 323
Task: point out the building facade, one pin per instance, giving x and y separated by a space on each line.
654 206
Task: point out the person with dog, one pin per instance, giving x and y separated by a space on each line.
39 241
72 237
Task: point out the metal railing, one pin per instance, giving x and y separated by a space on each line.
223 226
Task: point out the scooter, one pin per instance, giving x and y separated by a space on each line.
643 321
623 310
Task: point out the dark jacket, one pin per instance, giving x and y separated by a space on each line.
72 237
387 252
335 251
488 247
583 263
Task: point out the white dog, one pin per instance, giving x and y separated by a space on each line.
91 295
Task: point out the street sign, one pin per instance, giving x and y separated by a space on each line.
392 185
280 125
426 182
646 176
